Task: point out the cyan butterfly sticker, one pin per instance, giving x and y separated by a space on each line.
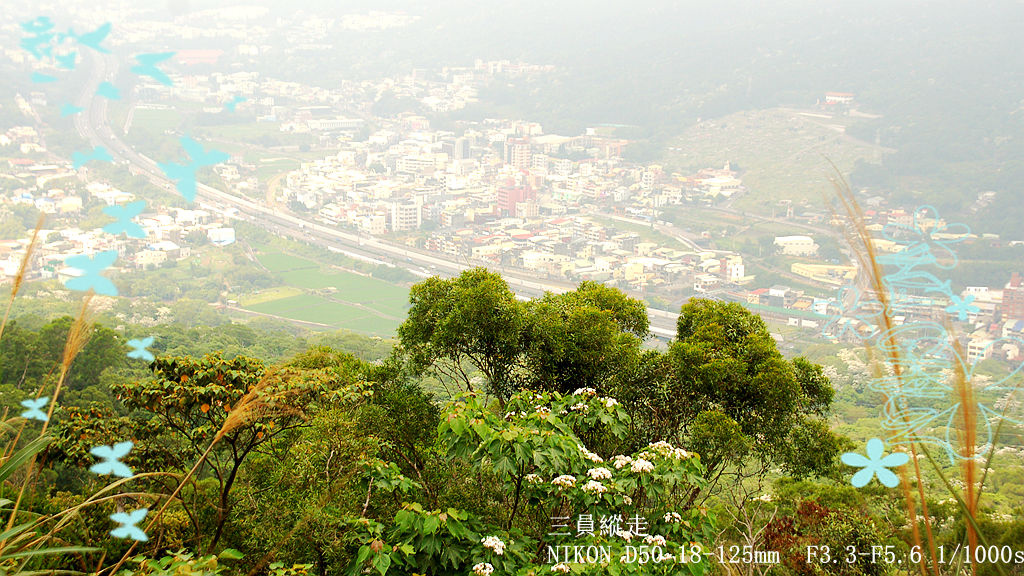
139 349
185 174
35 408
124 215
147 67
108 91
110 462
99 154
128 521
91 277
93 39
70 110
230 104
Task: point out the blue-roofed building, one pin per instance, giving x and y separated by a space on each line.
1013 329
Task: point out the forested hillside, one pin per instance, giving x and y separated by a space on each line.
493 436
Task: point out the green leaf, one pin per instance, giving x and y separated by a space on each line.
231 554
431 523
21 456
364 553
49 552
458 426
382 562
8 534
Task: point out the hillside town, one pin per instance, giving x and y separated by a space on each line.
500 193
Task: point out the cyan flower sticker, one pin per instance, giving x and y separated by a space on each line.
875 465
962 307
927 240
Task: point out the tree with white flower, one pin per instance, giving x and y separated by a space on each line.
510 458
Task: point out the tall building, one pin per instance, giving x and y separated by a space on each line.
517 151
405 216
731 268
1013 298
461 149
509 196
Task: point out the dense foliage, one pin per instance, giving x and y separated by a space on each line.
557 434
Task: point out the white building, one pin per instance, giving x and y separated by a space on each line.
221 236
796 245
405 216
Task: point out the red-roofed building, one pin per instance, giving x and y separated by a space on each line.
758 296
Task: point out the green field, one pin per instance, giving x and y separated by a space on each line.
268 169
342 299
154 121
266 134
269 294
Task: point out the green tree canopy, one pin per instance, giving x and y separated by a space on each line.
473 319
587 337
724 390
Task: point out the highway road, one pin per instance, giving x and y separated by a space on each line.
93 124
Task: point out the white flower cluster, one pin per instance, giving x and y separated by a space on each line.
625 535
627 500
494 543
673 517
561 567
599 473
640 466
609 403
589 455
663 448
543 410
594 487
483 569
564 481
580 407
585 392
621 461
534 479
655 540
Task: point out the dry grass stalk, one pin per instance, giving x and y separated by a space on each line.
864 250
78 336
964 391
250 407
19 278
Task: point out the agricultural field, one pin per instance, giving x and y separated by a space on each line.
154 121
327 295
